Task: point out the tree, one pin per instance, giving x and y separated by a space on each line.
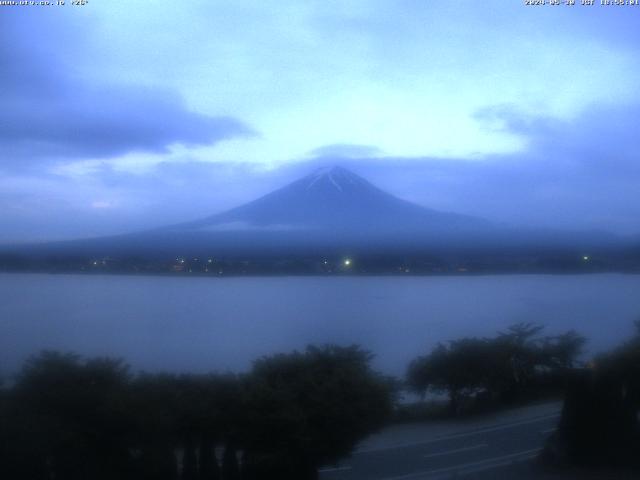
514 356
154 403
193 413
600 416
308 409
563 350
503 366
458 369
78 419
72 418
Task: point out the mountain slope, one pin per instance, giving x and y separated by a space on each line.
330 211
336 199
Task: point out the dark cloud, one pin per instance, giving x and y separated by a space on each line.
105 122
576 174
581 173
48 110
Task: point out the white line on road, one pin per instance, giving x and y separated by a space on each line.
548 430
459 435
503 463
472 467
334 469
457 450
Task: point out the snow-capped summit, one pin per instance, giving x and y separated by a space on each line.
335 199
338 177
330 210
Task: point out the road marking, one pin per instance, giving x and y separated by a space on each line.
493 428
472 467
334 469
527 455
548 430
457 450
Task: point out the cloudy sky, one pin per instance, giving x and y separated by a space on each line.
122 115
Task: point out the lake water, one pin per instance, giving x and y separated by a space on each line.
201 324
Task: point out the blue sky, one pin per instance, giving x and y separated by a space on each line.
123 115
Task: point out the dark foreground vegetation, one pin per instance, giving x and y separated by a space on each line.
70 419
600 425
600 421
514 366
79 419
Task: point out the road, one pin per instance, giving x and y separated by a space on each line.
500 446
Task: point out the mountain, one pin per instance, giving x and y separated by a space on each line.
332 213
336 200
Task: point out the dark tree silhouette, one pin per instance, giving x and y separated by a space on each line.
153 403
503 367
308 409
562 351
599 423
73 419
230 468
457 369
70 419
514 356
187 413
208 464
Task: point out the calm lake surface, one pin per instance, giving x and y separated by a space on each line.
201 324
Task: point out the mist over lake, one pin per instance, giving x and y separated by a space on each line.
203 324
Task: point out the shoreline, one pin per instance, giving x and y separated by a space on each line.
322 275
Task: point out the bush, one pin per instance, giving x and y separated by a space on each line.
502 367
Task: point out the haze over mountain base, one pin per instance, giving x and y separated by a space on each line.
333 221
